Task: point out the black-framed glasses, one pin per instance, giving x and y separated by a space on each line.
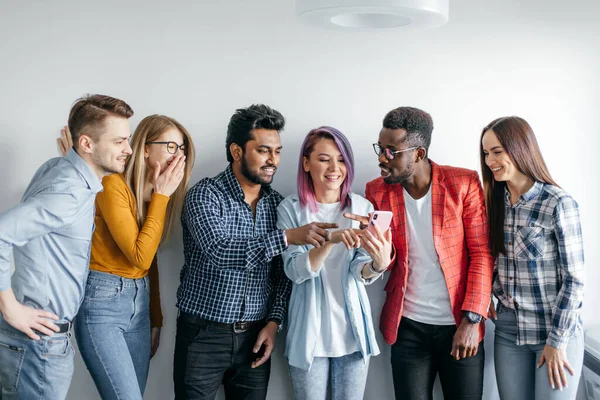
171 146
389 153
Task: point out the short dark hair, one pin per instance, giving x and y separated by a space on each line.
91 110
417 124
245 120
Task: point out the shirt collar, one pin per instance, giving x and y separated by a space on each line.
85 170
236 189
528 195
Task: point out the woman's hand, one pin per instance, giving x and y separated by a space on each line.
65 142
379 246
167 182
556 361
350 237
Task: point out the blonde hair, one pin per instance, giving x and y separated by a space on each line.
148 130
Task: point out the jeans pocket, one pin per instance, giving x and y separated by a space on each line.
10 370
100 292
56 347
189 331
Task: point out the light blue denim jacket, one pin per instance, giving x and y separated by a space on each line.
304 314
50 233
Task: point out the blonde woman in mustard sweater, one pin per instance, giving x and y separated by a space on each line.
118 325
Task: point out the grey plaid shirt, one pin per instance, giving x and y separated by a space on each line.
233 269
541 276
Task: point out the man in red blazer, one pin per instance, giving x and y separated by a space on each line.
440 284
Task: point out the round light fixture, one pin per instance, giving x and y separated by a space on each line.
373 14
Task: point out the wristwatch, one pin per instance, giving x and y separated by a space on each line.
472 317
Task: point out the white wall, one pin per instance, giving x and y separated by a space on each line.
200 60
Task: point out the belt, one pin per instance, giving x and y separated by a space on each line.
236 327
64 327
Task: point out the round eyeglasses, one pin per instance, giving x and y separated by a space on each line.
172 147
389 153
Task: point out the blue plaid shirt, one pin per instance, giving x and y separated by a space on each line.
541 276
233 269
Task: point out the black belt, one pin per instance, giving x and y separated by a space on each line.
65 327
236 327
62 328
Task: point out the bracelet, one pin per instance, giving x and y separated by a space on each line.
373 270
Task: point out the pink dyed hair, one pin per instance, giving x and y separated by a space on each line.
306 190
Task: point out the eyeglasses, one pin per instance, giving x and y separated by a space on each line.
171 146
389 153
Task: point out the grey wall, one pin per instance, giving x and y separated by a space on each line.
200 60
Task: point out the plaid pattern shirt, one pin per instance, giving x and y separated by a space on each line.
541 276
233 269
460 237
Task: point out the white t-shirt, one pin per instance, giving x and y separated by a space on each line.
426 299
336 337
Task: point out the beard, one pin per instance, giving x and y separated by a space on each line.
407 173
255 177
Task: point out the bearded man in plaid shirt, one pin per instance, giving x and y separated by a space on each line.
440 280
233 295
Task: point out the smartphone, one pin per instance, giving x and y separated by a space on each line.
382 219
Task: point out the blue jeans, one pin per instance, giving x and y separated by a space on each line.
34 370
113 334
516 365
347 374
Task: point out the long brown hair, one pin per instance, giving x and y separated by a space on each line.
518 140
148 130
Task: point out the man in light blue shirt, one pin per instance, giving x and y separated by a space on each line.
49 233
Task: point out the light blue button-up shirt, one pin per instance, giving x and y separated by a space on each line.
304 317
50 233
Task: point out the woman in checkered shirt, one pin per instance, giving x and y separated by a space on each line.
536 238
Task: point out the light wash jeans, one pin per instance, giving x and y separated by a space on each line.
34 370
113 334
516 366
347 374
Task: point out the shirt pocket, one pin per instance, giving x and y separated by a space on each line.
530 243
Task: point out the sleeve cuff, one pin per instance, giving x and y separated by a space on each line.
276 315
305 270
276 243
558 340
156 324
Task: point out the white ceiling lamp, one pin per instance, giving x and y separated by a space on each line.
373 14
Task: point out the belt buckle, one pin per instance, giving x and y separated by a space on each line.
241 327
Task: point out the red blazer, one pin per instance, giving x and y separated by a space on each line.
460 237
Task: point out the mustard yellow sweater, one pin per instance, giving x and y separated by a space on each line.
119 246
